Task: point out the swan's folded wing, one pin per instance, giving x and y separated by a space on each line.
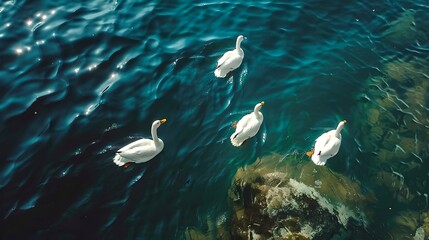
242 124
224 59
321 142
251 126
140 152
140 142
332 146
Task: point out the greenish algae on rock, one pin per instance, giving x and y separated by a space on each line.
404 30
425 225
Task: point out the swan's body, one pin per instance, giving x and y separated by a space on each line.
141 150
248 126
327 145
230 60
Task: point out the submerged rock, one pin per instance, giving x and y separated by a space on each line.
394 184
279 198
407 225
404 30
425 226
420 234
397 117
400 71
393 139
409 72
216 229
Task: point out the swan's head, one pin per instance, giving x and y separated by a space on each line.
241 38
341 124
259 106
158 123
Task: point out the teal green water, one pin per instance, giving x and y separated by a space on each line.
82 79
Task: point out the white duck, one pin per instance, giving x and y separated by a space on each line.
230 60
141 150
327 145
248 126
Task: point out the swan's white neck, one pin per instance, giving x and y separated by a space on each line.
256 110
154 132
339 128
238 46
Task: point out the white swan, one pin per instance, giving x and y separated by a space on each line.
230 60
141 150
248 126
327 145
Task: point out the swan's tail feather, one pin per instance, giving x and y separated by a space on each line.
234 140
319 159
118 160
219 73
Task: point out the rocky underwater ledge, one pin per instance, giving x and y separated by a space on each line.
279 197
288 197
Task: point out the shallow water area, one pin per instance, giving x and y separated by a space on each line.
82 79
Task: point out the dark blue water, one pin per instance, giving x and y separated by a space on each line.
80 79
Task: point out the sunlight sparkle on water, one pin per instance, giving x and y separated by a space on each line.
41 16
90 109
20 50
93 66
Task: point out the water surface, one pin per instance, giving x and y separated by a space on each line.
82 79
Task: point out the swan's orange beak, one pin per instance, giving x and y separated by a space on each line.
262 103
163 120
344 121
